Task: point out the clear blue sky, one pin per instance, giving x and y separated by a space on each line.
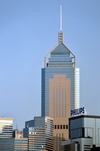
28 31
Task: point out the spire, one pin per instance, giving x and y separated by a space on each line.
60 17
60 34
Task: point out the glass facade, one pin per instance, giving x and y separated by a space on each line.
77 88
21 144
40 135
60 61
78 144
60 88
85 126
12 144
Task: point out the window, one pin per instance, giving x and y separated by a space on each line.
66 126
63 126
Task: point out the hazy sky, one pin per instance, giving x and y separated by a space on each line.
28 31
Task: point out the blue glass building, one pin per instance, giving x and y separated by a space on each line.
61 61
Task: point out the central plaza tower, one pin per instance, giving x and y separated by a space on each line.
60 87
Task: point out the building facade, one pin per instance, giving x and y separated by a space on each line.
85 126
9 140
39 133
13 144
6 127
17 133
84 133
60 87
78 144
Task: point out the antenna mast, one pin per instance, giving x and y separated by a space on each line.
60 34
60 17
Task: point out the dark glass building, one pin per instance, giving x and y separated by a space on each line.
85 126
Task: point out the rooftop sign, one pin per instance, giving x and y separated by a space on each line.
79 111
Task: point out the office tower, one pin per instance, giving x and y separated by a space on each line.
60 86
39 133
6 127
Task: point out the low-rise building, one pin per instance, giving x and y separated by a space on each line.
39 133
17 134
13 144
84 132
6 127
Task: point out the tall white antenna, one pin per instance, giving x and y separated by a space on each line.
60 17
60 34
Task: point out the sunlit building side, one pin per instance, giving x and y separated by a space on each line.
6 127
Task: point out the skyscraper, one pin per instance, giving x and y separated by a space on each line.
60 86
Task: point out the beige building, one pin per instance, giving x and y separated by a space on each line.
17 134
59 108
6 127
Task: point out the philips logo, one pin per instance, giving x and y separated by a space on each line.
78 111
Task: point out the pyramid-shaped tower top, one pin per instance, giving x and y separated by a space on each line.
60 48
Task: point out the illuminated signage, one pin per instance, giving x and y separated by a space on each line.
78 111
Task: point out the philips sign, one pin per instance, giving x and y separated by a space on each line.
78 111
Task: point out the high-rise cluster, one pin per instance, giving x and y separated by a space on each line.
60 94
